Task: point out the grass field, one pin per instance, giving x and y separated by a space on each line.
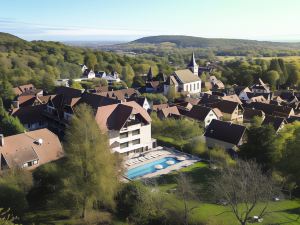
282 212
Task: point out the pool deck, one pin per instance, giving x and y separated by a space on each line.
165 152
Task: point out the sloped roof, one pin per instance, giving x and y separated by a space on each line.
270 109
113 117
251 113
169 111
233 98
30 114
239 89
120 94
171 80
21 148
199 112
22 88
96 101
224 131
192 62
275 121
159 107
186 76
225 106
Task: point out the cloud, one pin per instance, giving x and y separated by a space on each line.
32 31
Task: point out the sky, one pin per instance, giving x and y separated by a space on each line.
126 20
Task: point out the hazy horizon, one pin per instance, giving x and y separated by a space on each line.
99 20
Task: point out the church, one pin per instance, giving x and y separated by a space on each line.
185 81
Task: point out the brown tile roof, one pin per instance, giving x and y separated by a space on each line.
233 98
21 148
22 88
186 76
26 100
114 117
159 107
224 131
169 111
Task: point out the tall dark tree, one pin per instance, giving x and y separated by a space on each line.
94 180
261 146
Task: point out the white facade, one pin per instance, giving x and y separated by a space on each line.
132 139
192 87
210 116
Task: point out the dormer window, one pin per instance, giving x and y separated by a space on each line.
132 117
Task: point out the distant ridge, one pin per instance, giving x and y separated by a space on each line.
200 42
6 37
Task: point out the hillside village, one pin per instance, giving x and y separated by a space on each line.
140 121
125 113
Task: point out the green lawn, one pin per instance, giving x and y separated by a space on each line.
282 212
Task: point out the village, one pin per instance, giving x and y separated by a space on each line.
224 113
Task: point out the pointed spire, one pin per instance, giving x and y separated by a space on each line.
193 61
150 74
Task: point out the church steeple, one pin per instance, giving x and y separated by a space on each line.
150 74
193 65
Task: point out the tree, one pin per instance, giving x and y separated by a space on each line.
185 193
90 60
284 76
243 187
14 186
272 78
10 125
89 159
289 165
138 82
6 91
6 218
274 65
261 145
127 74
76 85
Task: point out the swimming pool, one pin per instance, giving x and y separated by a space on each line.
140 171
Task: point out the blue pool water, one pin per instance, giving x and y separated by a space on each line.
149 167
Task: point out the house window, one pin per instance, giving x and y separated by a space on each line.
136 141
124 135
194 86
190 87
124 145
136 132
198 86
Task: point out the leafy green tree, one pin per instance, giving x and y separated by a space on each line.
127 74
6 90
10 125
272 77
88 153
261 145
274 65
76 85
14 186
156 98
90 60
138 81
289 140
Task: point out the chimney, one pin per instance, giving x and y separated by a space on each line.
1 140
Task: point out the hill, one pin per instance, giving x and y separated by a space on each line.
5 37
199 42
